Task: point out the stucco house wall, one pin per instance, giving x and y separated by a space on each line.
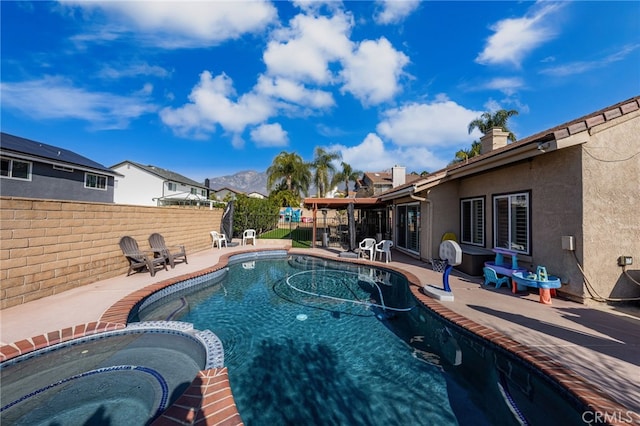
444 216
54 172
136 186
147 185
611 176
50 183
553 182
585 184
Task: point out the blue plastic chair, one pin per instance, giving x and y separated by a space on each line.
490 276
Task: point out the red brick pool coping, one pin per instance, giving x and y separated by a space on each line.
209 400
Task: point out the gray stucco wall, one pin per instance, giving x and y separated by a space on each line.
49 183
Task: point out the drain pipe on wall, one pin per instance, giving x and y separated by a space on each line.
429 236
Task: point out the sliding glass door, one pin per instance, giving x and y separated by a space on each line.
408 226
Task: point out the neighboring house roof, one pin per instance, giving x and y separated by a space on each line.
235 191
559 137
38 151
164 174
379 178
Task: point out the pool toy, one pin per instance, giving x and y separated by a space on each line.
500 266
540 280
450 256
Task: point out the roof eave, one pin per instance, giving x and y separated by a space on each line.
319 203
526 151
45 160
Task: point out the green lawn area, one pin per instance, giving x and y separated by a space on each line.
301 237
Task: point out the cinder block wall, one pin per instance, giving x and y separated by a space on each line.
49 246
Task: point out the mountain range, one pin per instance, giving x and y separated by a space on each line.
246 181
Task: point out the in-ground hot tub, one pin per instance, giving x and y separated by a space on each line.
129 376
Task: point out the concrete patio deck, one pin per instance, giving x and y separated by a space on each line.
601 344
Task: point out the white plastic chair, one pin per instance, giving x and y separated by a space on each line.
367 245
218 239
249 234
384 247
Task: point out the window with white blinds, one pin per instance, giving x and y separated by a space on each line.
511 224
472 221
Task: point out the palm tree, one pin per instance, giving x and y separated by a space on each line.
324 169
465 154
284 198
290 172
346 175
488 121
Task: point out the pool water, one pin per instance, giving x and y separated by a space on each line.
125 378
322 347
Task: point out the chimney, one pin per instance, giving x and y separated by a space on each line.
494 139
398 176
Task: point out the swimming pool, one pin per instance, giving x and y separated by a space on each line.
311 341
129 376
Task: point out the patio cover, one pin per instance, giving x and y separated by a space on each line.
183 197
314 204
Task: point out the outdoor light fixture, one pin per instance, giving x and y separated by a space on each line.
625 261
543 146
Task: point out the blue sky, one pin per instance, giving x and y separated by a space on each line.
208 89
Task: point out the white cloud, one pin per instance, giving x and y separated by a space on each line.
211 104
314 6
147 89
394 11
371 74
514 38
371 155
439 124
304 50
492 105
294 92
581 67
57 98
175 24
269 135
300 60
237 141
133 70
507 85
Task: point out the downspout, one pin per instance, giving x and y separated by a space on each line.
163 193
429 230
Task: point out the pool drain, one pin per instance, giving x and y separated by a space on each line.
301 317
